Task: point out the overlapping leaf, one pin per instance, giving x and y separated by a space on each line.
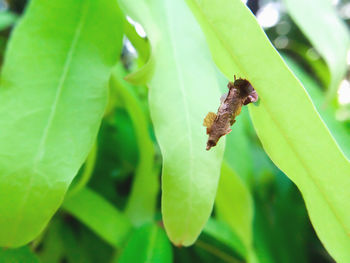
150 244
143 197
52 97
327 32
289 127
106 221
234 205
183 89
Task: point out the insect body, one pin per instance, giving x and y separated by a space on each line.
240 93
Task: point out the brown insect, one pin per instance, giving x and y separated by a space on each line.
240 93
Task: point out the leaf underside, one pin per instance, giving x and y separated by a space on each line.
287 123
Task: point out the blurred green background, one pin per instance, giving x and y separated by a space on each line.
282 231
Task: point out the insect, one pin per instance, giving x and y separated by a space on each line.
240 93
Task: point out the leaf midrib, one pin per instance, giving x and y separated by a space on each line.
40 151
324 196
188 122
62 79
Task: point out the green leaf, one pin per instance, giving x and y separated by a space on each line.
142 201
140 44
53 95
52 249
99 215
337 128
182 91
289 127
147 244
143 75
234 205
83 179
90 249
18 255
318 67
282 232
7 19
327 32
209 252
238 154
223 233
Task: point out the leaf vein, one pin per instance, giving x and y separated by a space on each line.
237 62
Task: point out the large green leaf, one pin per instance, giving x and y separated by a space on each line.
289 127
182 90
338 129
52 97
147 244
326 31
98 214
